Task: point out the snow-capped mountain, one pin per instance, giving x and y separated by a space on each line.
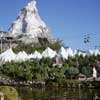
29 23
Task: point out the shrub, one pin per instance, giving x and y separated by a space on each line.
10 93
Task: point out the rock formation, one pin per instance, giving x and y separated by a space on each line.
29 26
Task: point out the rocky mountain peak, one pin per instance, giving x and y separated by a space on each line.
29 23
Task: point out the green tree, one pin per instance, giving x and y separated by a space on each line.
87 71
71 72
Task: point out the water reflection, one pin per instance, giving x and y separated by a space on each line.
28 93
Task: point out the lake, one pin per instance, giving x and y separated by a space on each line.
29 93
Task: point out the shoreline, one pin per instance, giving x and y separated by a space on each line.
91 84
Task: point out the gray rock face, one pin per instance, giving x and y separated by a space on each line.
29 24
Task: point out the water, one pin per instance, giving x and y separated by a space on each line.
28 93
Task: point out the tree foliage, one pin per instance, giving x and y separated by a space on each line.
44 70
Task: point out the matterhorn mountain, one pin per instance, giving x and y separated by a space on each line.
29 24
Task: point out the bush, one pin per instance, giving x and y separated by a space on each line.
71 72
87 71
10 93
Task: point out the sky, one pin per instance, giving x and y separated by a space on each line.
69 20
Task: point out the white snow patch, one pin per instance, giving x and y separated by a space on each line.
36 55
70 52
63 53
8 56
21 56
49 53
